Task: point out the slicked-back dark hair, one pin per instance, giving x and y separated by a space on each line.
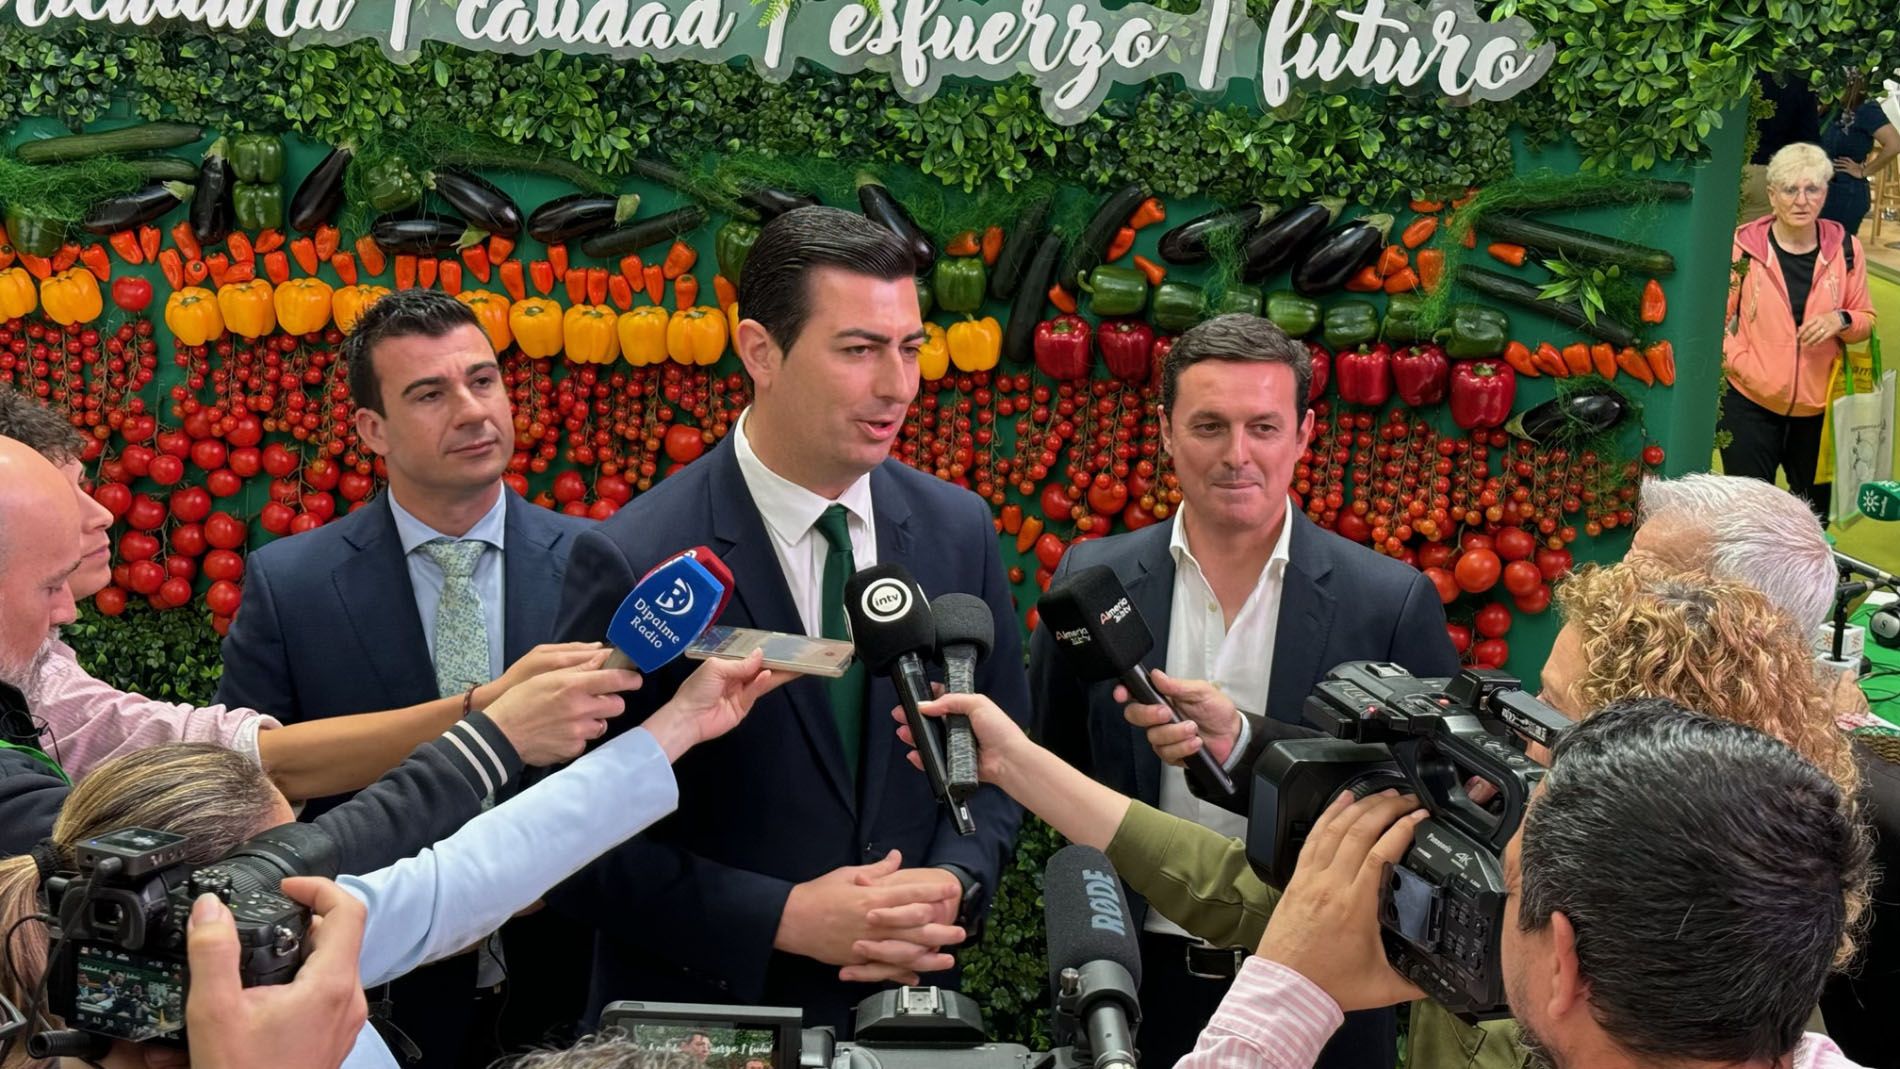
775 286
1237 336
45 430
403 314
1708 872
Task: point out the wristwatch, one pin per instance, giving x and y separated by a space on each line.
969 917
1847 321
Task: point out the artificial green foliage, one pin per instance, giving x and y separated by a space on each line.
1008 971
172 656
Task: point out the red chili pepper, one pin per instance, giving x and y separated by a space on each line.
476 257
1155 272
187 241
596 285
237 273
685 291
511 280
725 292
218 266
126 244
576 285
1392 260
1431 268
1062 347
541 273
277 267
1368 280
1655 305
195 271
1518 355
963 244
1127 347
679 260
150 239
1420 374
426 268
327 240
1062 299
374 262
67 256
173 265
1124 241
499 248
1662 360
449 273
1419 231
345 267
1630 359
268 241
557 258
405 271
242 251
633 271
1404 280
655 276
96 261
992 245
1603 358
1149 213
1506 252
1364 374
619 292
1481 393
304 251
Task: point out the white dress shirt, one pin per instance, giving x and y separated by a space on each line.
790 511
1237 659
426 578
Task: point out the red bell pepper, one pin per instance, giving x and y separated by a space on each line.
1127 348
1481 393
1062 347
1420 374
1322 372
1364 374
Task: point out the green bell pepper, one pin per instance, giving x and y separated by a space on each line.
959 283
1116 291
1350 323
1238 298
35 235
390 186
257 206
1296 315
1476 332
1177 306
924 300
257 158
732 245
1401 317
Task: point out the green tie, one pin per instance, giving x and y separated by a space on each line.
461 628
847 691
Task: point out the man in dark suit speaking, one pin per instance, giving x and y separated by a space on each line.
1249 602
807 859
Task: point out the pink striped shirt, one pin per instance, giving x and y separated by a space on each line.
1275 1018
88 721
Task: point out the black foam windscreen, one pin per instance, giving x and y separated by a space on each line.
1095 623
1086 915
964 618
889 616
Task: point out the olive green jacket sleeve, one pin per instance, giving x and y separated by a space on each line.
1200 880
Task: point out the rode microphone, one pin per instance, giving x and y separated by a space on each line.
1094 959
893 632
1101 635
668 608
965 633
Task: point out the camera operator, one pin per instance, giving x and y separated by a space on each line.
1657 918
426 906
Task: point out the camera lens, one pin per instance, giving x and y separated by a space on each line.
1371 783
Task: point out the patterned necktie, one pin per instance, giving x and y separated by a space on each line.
847 691
461 628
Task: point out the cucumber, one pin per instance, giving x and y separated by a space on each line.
644 233
1019 248
1025 309
144 137
164 168
1088 249
1524 295
1579 245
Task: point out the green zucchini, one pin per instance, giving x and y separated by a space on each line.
144 137
1524 295
1025 309
1578 245
644 233
164 168
1088 250
1019 248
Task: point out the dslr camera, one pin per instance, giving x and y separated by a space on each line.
1442 909
116 967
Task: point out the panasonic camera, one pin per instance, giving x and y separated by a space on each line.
117 966
1442 909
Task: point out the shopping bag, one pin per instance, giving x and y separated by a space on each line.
1860 425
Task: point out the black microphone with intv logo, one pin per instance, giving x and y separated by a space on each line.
1101 635
893 631
1094 959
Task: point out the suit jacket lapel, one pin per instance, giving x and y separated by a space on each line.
765 601
891 515
530 580
1151 590
1305 624
373 585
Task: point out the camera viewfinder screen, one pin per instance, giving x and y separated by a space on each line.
128 995
712 1045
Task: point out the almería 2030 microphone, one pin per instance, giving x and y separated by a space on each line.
893 632
965 633
668 609
1094 959
1101 635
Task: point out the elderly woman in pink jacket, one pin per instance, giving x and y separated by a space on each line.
1797 296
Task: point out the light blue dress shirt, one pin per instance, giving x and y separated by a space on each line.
426 579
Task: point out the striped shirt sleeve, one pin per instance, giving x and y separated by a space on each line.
1272 1018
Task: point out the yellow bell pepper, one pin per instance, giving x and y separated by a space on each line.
589 331
72 296
19 294
303 305
976 343
933 357
491 310
247 308
696 335
536 323
349 303
193 317
643 335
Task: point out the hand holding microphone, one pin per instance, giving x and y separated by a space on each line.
965 633
668 608
1212 721
712 701
552 717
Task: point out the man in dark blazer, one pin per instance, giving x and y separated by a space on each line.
1247 594
431 588
807 859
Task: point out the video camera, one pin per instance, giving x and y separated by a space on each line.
1442 910
116 965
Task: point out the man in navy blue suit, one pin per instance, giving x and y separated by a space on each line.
1251 604
807 861
430 589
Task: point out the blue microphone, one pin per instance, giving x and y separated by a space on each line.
667 610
